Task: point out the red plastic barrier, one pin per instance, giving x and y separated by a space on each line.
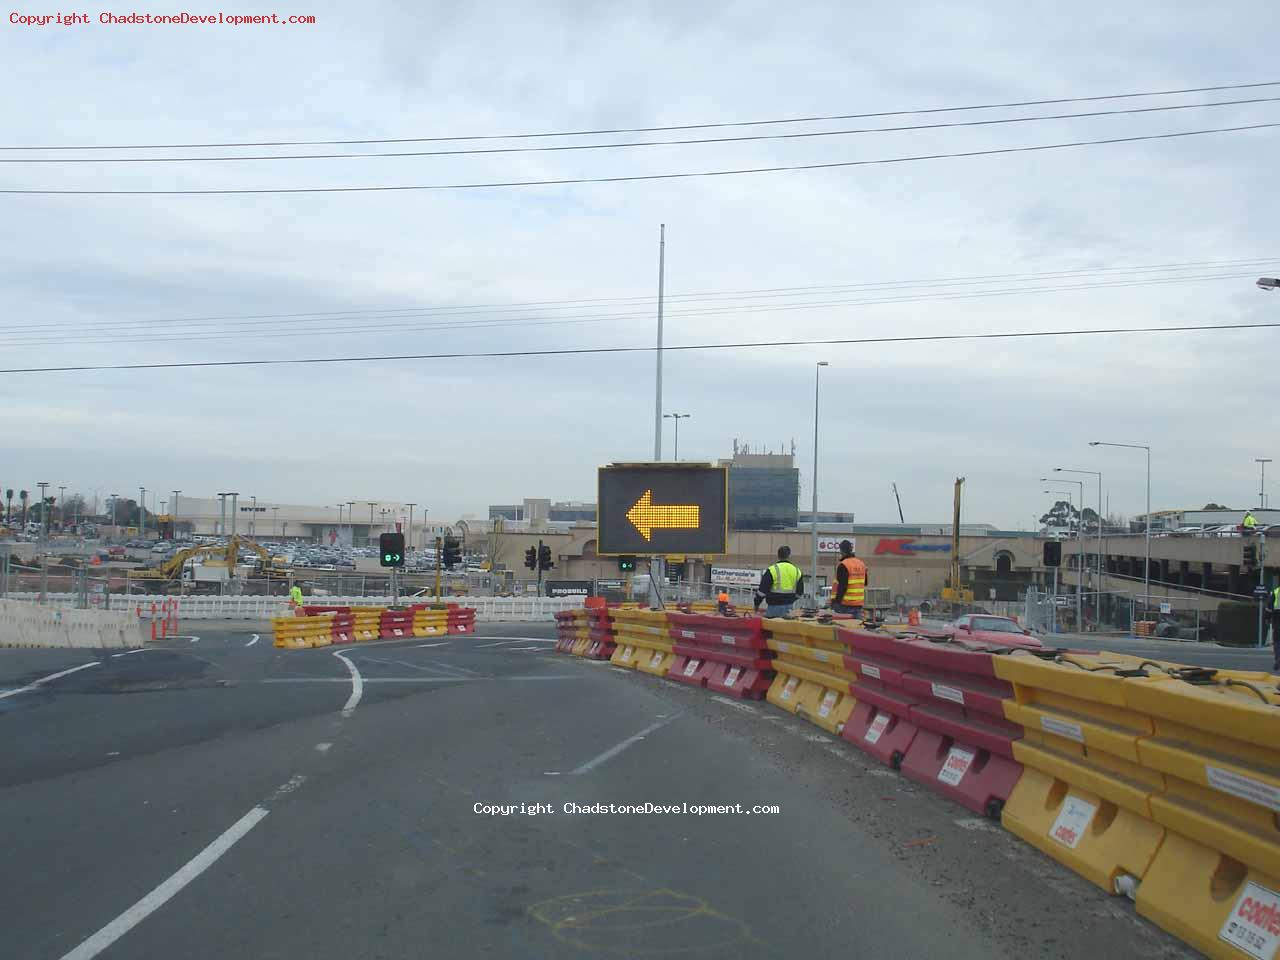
602 645
726 654
935 710
395 624
312 611
342 629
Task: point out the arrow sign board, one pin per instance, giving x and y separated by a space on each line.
663 508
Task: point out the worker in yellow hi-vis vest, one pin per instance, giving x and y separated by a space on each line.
780 585
849 591
295 600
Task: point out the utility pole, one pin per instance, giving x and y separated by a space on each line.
234 511
655 563
813 517
253 517
44 514
438 569
62 510
539 568
409 538
142 513
173 514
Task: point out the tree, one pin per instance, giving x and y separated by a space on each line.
1089 517
1214 506
73 506
496 541
1061 514
22 497
8 505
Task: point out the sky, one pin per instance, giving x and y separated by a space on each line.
1030 241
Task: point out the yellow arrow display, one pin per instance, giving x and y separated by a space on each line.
646 517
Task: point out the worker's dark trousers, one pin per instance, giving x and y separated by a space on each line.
1275 640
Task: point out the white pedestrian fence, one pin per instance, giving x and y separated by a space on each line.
491 609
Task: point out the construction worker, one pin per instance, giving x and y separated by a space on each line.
1275 628
780 585
295 599
722 601
1249 525
848 592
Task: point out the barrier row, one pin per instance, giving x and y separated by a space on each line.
320 626
1150 779
30 625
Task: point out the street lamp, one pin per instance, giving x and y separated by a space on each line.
351 523
1079 547
1146 566
62 510
813 516
409 541
1098 474
275 515
1262 482
173 513
253 518
115 521
142 513
677 417
44 512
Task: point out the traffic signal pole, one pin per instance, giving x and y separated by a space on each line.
539 568
437 569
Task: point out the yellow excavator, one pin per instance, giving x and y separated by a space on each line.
219 554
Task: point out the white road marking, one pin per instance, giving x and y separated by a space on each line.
128 652
43 680
815 738
882 773
523 649
357 686
977 823
517 639
736 704
255 639
618 748
368 680
323 747
193 639
158 897
287 788
441 643
436 666
547 676
498 644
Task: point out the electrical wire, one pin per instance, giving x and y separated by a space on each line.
635 178
407 325
660 129
543 306
560 148
677 348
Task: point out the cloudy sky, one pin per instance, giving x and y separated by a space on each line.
1030 241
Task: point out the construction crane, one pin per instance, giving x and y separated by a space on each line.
954 592
901 519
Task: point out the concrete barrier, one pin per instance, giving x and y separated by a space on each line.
25 624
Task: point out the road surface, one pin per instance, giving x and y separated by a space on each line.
217 797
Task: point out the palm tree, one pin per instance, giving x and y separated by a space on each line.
8 501
22 495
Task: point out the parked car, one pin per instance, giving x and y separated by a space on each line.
988 628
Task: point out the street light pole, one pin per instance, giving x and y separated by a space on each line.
253 518
44 512
275 516
62 510
173 513
677 417
115 519
1146 567
142 513
813 515
1097 608
409 539
351 524
1079 550
1262 481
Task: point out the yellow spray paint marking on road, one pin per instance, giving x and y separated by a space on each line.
646 516
639 922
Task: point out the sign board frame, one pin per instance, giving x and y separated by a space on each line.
617 535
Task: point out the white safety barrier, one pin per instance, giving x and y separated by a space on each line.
25 624
490 609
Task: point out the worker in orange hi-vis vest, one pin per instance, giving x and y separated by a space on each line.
849 591
722 600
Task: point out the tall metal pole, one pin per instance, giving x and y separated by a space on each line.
142 512
44 513
173 514
253 518
655 563
234 511
62 510
657 398
1262 481
1146 567
813 516
409 539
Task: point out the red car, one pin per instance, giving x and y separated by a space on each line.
991 629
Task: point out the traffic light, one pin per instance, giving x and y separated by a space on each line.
531 558
544 558
626 564
391 549
452 555
1053 553
1250 556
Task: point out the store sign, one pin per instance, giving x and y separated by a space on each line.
734 577
568 588
832 544
908 547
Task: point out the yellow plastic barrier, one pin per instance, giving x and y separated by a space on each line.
301 633
430 623
366 623
1216 880
814 690
1082 799
626 654
645 634
803 633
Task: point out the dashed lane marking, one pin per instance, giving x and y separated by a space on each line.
36 684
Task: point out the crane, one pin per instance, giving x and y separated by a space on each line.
901 519
956 593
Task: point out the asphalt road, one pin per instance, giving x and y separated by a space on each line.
219 797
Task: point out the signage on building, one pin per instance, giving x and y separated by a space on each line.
832 544
908 547
659 509
734 577
611 584
568 588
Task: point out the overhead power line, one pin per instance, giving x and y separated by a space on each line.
808 134
634 178
595 351
659 129
406 325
